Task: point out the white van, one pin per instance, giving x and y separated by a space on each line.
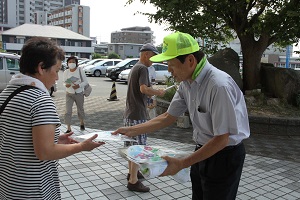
9 66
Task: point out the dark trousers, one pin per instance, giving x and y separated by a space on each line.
218 177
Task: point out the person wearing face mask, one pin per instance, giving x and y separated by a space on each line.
74 80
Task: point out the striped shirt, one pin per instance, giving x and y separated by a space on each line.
22 174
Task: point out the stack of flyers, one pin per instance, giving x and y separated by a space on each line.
72 80
152 165
106 136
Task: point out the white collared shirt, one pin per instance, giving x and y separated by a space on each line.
216 106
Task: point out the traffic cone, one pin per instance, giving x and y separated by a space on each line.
113 93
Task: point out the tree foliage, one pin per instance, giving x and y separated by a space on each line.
256 23
113 55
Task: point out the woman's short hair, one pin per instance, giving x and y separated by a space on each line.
38 50
73 57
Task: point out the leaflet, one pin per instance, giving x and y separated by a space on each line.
72 80
106 136
150 161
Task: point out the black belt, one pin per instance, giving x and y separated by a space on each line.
198 146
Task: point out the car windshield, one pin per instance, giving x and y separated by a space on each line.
92 62
123 62
83 61
101 62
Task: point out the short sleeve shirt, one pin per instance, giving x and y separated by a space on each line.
136 102
216 106
26 177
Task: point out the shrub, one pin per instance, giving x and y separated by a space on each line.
169 93
113 55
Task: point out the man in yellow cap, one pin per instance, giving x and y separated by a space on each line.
218 114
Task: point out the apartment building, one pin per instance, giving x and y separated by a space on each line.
73 17
64 13
136 34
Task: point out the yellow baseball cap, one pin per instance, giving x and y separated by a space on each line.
176 44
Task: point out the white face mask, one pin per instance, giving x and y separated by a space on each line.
72 65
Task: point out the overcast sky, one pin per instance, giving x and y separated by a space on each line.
112 15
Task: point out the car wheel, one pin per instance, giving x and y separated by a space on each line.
97 73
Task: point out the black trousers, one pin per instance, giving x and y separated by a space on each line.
218 177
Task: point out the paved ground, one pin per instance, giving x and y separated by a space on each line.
271 169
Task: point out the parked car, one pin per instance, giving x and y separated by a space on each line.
81 62
161 73
9 66
99 68
114 71
91 62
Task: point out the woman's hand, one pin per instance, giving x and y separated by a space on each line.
76 86
68 85
66 139
89 144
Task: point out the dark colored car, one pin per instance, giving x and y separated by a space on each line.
114 71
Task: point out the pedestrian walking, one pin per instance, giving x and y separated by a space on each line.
136 108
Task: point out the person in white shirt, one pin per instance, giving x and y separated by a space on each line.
74 92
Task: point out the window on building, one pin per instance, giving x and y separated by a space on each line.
121 47
20 40
110 47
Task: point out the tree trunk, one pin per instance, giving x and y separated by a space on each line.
252 52
251 70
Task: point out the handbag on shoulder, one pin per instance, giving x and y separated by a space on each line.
87 88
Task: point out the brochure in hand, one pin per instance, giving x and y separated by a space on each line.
106 136
71 80
151 163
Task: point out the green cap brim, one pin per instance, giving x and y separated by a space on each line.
161 57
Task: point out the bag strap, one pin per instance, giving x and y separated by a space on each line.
20 89
80 75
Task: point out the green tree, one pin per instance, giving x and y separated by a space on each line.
96 55
113 55
256 23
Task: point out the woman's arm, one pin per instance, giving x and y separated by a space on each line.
46 149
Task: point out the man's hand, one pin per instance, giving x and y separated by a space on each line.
124 131
66 139
161 92
68 85
174 166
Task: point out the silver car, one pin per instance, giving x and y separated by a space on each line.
161 72
99 68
